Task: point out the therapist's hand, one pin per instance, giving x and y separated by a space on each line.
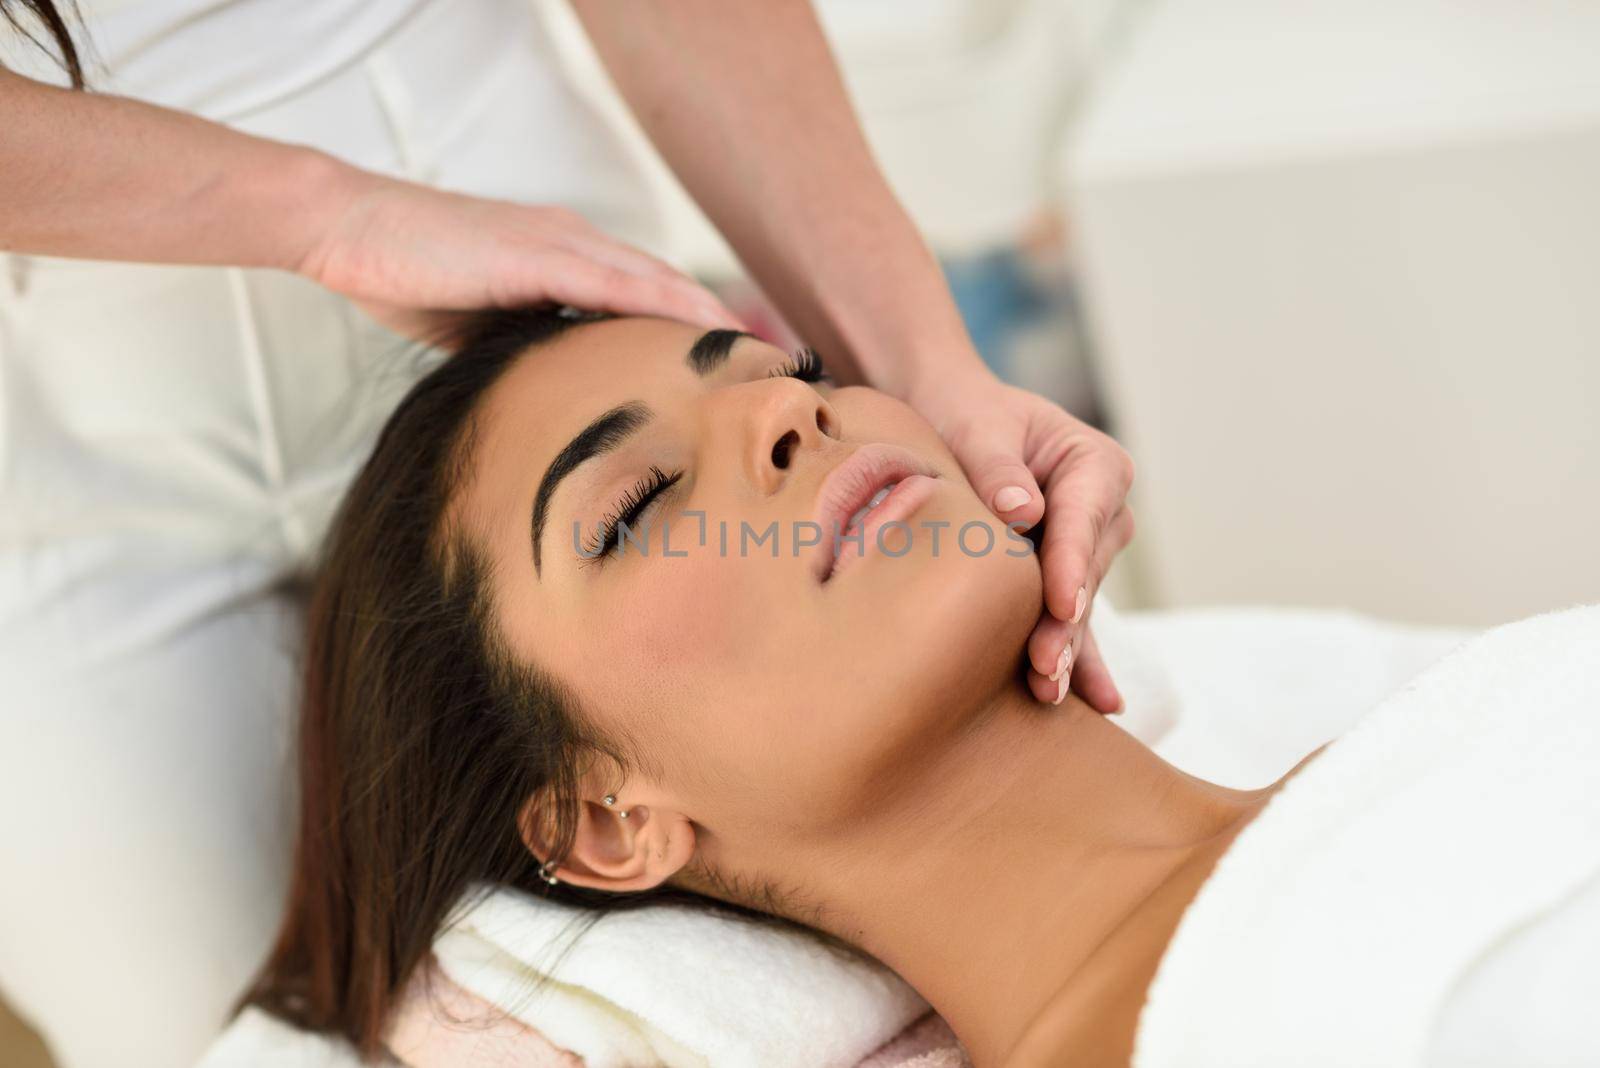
1012 443
410 255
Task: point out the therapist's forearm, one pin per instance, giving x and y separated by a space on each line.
104 177
745 102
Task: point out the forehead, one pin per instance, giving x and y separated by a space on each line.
554 391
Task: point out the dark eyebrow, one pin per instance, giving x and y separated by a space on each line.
600 436
710 350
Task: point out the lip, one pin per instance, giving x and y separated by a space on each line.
848 488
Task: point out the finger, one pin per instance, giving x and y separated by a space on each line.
592 244
584 283
583 240
1053 686
1113 539
1091 679
992 459
1044 689
568 231
1085 496
670 295
1047 646
1054 650
1052 642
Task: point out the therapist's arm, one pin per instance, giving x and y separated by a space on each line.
95 176
745 102
103 177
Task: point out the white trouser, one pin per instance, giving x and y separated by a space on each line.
172 444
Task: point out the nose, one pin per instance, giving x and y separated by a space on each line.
777 420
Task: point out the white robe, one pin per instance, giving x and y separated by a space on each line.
1425 892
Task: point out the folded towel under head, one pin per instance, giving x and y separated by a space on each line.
674 985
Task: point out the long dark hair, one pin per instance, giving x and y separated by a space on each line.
56 26
421 736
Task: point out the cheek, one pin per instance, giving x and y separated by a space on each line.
685 622
698 664
764 701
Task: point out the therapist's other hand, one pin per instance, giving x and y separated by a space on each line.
411 255
1011 443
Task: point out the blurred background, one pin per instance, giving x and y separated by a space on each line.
1330 269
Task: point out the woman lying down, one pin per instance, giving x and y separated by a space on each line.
576 632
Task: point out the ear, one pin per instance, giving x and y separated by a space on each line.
609 852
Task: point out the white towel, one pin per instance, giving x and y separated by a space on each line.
676 986
1435 840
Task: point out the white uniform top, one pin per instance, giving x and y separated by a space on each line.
475 95
219 59
172 443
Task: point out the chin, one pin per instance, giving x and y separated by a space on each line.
935 642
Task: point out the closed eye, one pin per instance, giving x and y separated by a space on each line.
628 512
803 364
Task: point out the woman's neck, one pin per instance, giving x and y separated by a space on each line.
1032 840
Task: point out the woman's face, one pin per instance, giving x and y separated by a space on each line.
771 692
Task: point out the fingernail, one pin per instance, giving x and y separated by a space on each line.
1082 603
1064 671
1011 497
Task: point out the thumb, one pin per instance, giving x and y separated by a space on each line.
1001 479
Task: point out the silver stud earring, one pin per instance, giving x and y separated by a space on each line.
611 799
547 873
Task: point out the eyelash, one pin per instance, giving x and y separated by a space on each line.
803 364
629 509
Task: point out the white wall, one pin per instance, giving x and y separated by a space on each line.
1343 266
